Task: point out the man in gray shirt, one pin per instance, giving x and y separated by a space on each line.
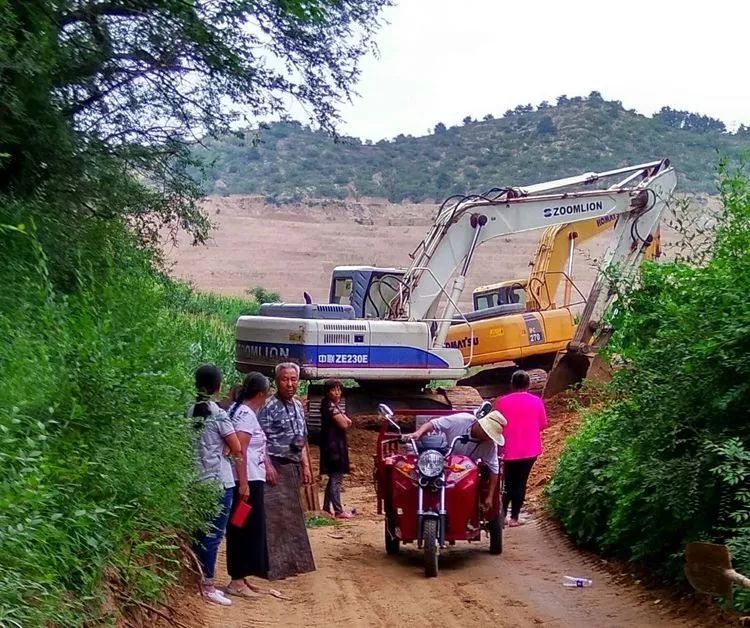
484 434
283 422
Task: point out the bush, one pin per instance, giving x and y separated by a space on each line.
96 469
670 462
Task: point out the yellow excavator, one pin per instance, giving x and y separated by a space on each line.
527 323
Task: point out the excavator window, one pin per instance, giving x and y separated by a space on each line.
342 290
382 289
484 301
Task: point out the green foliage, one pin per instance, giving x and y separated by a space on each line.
319 522
102 99
669 462
261 295
96 467
291 162
100 103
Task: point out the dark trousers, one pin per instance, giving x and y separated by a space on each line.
206 544
247 554
516 476
333 493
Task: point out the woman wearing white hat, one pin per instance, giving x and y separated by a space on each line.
484 434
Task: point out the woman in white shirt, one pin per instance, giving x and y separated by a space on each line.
246 546
214 433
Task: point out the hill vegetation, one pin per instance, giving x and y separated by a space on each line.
289 162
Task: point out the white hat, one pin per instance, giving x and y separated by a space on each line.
493 424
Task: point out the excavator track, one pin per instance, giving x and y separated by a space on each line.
492 382
358 402
462 397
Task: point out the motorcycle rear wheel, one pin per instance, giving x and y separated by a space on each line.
431 549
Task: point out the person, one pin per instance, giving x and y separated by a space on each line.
246 546
214 432
283 422
334 449
484 434
526 418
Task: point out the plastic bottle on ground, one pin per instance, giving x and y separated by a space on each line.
570 581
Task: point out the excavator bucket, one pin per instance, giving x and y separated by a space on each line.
707 569
570 368
580 361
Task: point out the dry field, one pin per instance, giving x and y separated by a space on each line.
293 248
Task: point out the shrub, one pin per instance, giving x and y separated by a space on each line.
670 462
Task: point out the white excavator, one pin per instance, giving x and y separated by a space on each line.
386 328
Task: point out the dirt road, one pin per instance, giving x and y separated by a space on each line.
357 585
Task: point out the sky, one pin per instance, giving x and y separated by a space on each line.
441 60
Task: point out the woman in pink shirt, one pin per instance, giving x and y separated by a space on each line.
526 418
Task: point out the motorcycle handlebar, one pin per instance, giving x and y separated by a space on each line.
407 439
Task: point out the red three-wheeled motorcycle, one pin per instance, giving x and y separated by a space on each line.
430 495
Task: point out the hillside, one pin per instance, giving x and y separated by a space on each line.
243 251
289 162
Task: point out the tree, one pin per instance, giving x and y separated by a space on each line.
98 92
546 126
440 128
467 120
690 121
488 117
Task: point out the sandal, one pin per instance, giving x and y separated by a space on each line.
245 591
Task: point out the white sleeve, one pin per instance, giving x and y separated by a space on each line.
492 462
243 422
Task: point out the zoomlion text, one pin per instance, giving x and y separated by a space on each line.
578 208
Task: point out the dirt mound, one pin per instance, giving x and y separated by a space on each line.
361 450
563 423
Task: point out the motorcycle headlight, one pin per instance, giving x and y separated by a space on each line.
431 463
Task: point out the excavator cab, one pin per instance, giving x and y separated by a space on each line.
368 289
503 293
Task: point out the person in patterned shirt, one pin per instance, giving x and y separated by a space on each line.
283 421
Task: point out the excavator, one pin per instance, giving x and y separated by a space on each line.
387 328
520 323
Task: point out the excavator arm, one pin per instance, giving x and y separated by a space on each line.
553 261
638 200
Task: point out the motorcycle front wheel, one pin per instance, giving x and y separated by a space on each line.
431 549
392 542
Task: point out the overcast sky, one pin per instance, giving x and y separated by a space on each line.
441 60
